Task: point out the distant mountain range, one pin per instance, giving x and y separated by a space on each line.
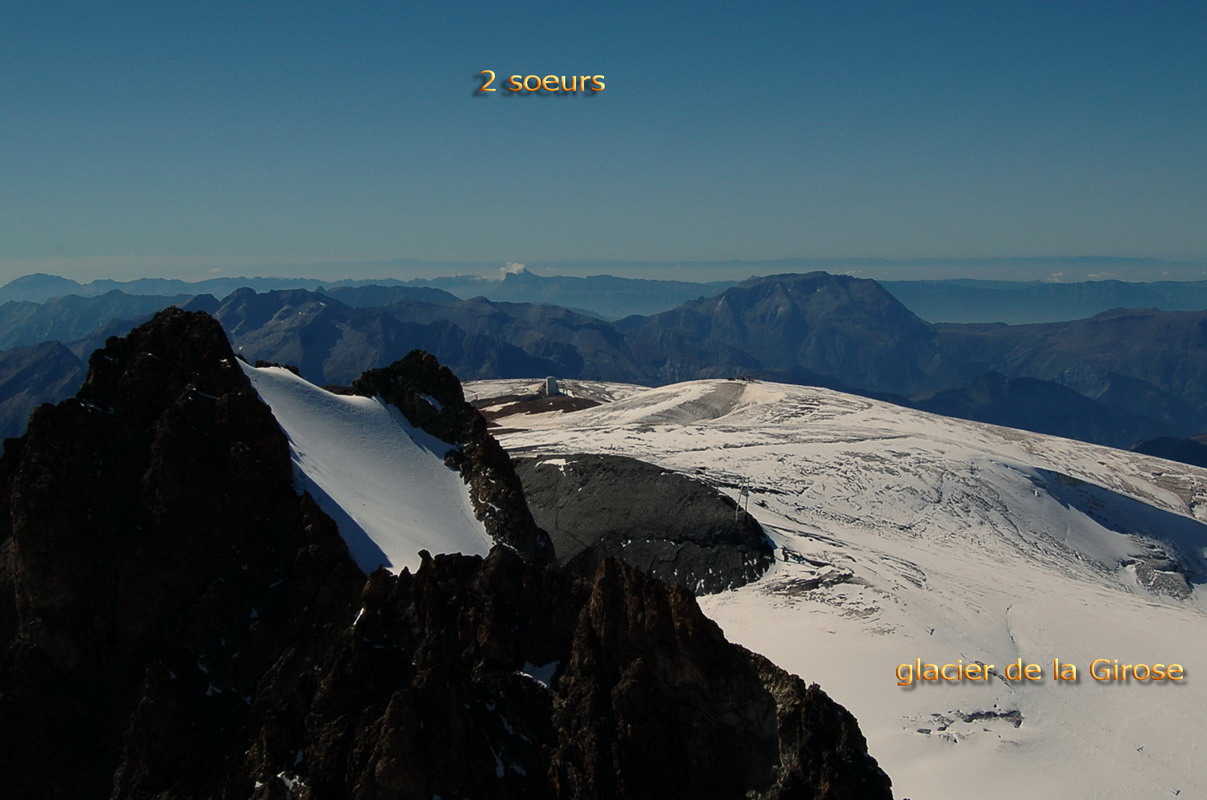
30 376
604 295
40 287
1116 378
64 319
611 297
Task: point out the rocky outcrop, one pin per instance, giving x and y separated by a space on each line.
156 562
606 687
670 525
177 622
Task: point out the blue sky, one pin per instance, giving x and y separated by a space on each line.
176 139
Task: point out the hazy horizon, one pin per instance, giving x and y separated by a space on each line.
1051 270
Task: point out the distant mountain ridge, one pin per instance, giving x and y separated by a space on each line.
612 297
1119 377
849 329
41 287
333 343
1160 356
71 317
605 295
30 376
1115 378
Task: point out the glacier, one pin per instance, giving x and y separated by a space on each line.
381 479
902 534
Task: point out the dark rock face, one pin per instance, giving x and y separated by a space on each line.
430 397
176 622
666 524
613 686
51 371
156 561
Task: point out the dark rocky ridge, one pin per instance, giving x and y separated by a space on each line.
152 548
613 686
664 523
176 622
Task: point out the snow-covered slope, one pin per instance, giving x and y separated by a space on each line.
907 535
381 479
